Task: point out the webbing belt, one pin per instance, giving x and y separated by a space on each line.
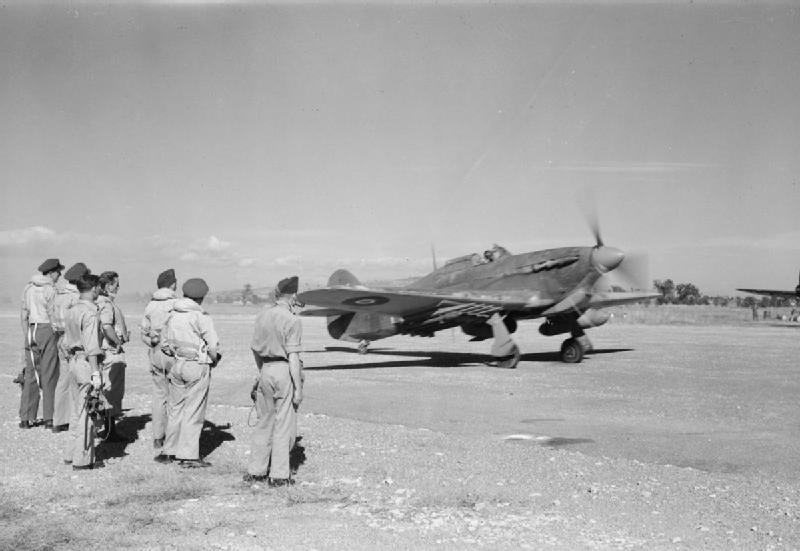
182 349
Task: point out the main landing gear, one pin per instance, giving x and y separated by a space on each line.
504 349
363 346
573 349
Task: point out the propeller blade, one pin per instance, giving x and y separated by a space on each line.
633 273
588 203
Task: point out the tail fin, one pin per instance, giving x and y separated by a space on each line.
343 277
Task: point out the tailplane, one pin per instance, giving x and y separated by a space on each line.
356 326
343 277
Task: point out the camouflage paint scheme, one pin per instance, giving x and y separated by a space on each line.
470 292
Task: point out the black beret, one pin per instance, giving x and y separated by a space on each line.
288 286
76 271
195 288
50 264
166 278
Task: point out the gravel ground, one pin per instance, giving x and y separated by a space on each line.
394 474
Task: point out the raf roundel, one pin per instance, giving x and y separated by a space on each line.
365 301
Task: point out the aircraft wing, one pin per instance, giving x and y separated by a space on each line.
323 312
604 300
770 293
405 303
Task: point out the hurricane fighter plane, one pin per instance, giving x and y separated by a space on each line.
771 293
485 295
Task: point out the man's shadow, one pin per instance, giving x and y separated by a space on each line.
213 435
297 456
128 427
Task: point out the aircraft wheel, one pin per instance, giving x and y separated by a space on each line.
508 362
363 346
571 351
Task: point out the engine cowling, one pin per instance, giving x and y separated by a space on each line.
557 326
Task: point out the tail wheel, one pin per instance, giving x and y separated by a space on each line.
571 351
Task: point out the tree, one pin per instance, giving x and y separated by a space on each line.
247 294
667 290
746 302
687 293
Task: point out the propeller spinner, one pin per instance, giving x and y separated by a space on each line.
606 259
633 272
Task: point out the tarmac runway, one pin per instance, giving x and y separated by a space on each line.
720 399
419 440
716 398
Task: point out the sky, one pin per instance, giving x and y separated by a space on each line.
249 141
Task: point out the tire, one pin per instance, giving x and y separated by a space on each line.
571 351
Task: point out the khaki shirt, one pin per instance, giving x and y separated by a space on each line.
37 299
189 331
110 314
82 329
66 296
278 332
155 315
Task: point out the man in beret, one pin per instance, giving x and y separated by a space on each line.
191 342
155 315
82 342
67 295
276 349
114 334
41 355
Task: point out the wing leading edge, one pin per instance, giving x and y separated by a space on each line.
770 293
396 302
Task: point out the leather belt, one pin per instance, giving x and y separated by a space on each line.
268 359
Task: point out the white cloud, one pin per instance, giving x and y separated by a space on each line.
43 240
215 244
213 251
290 260
27 236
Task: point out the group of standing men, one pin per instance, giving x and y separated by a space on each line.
74 358
74 335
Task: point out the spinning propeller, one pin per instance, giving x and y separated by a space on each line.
630 271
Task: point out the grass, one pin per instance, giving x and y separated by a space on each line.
304 495
671 314
38 536
153 497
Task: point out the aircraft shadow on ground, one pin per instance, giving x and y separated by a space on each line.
431 358
129 427
213 435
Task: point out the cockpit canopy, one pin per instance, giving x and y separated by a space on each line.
489 255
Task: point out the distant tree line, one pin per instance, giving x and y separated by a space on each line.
689 293
245 296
